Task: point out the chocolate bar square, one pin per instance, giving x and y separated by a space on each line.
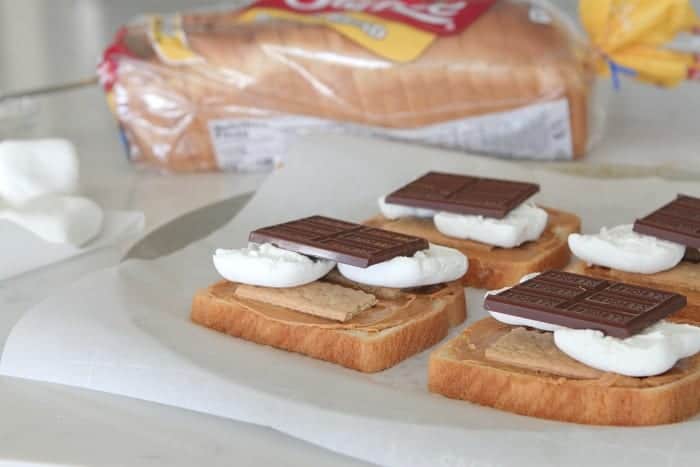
678 221
582 302
464 194
340 241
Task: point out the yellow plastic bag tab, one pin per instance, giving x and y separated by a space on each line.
632 37
171 47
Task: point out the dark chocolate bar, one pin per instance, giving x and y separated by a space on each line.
678 221
582 302
340 241
463 194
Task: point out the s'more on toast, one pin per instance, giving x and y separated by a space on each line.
575 348
491 221
358 296
660 250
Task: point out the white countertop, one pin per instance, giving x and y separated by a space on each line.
650 130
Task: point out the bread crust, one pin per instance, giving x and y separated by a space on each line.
363 351
492 267
683 279
609 400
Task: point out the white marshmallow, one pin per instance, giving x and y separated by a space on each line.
522 224
268 266
518 321
432 266
30 169
623 249
651 352
58 219
396 211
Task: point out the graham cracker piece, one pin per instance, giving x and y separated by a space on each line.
386 293
318 298
535 350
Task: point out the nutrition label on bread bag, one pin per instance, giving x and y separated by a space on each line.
540 131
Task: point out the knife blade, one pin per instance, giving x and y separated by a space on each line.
187 228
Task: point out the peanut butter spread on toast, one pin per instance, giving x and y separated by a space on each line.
488 341
392 307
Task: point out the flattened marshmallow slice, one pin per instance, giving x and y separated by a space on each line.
33 168
651 352
524 223
432 266
626 250
396 211
58 219
269 266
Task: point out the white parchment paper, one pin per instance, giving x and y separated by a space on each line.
125 330
22 251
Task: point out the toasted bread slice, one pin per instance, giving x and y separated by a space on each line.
493 267
460 369
683 279
401 324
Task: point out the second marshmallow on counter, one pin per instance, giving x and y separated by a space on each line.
34 168
38 191
70 220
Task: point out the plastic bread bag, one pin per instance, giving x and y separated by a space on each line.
228 88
